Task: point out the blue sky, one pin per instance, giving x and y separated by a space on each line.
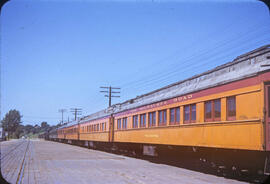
56 54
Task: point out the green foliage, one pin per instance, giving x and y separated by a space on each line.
11 123
33 131
44 126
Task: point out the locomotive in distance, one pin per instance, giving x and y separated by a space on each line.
221 116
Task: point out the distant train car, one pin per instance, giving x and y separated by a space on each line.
221 116
51 135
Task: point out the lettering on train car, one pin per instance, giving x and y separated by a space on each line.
151 135
159 104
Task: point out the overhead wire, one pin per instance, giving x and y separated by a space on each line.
156 78
186 61
190 47
184 68
195 69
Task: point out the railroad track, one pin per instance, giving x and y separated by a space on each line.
12 149
13 161
22 167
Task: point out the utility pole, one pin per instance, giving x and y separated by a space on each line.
76 112
109 91
62 111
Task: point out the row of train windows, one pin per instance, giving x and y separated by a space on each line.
213 109
212 112
72 130
122 123
95 127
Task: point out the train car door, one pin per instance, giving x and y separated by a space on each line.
111 128
267 116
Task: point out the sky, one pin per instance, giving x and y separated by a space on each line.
56 54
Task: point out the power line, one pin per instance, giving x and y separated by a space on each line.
109 92
176 66
193 67
208 37
161 76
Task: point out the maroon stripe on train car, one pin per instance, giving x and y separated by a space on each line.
219 89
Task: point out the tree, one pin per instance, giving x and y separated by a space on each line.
11 123
45 126
28 129
19 131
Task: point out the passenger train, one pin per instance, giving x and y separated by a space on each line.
221 117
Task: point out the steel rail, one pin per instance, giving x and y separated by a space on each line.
20 175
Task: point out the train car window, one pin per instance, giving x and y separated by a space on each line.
217 106
186 113
152 119
193 112
119 124
97 127
142 120
231 108
135 121
101 126
212 110
189 113
124 123
175 115
208 111
162 117
159 117
172 116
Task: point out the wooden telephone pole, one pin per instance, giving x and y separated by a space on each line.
62 111
76 112
109 91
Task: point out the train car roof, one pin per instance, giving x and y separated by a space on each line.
100 114
243 66
66 125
